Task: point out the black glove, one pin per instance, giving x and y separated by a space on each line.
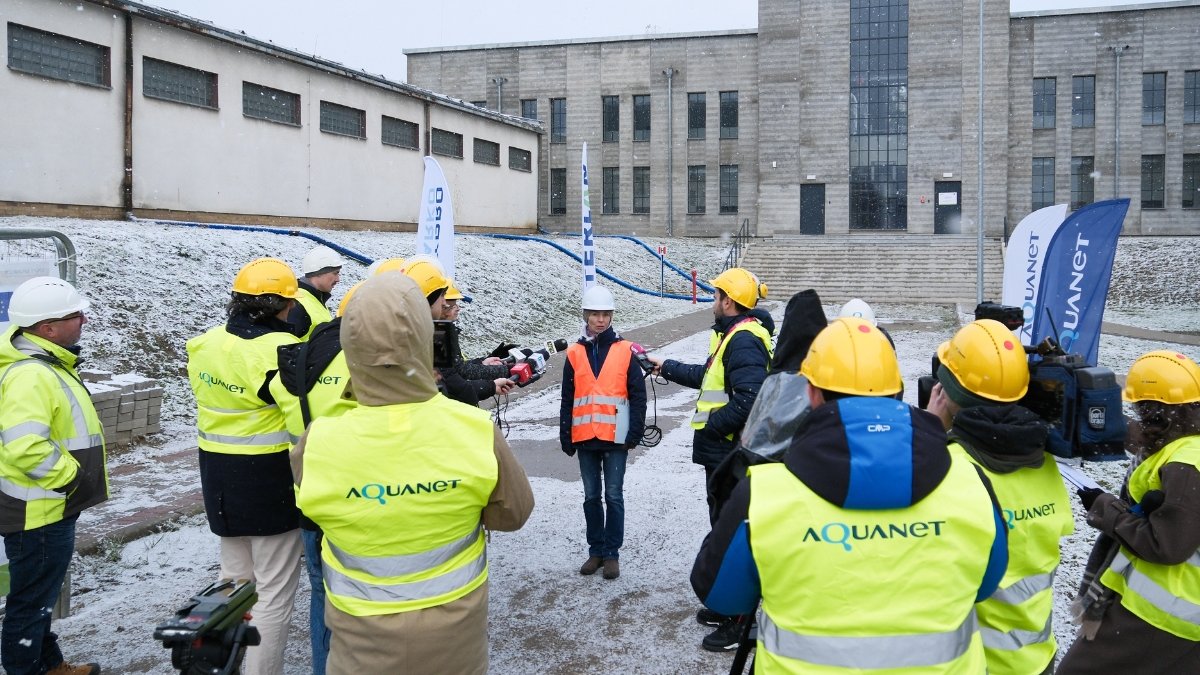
569 450
1150 502
1088 496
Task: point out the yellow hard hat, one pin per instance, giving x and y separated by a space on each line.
741 286
850 356
452 292
428 275
389 265
266 276
346 298
987 360
1163 375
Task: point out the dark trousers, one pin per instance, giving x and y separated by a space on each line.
318 632
37 564
603 474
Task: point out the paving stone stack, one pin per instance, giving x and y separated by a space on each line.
129 405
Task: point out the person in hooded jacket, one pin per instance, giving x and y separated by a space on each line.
867 518
405 505
983 373
602 417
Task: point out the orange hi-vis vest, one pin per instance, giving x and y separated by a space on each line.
601 405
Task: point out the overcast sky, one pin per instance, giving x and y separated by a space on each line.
371 34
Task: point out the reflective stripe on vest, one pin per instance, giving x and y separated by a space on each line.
81 440
1015 639
272 438
27 493
712 388
411 591
400 565
600 409
892 651
1025 588
1161 598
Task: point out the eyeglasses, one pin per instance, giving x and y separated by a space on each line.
69 317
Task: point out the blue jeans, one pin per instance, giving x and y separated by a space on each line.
37 563
318 633
605 524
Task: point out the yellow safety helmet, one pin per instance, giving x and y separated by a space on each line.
850 356
389 265
428 275
452 292
987 360
266 276
741 286
1163 375
346 299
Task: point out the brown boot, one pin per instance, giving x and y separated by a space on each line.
590 567
612 569
65 668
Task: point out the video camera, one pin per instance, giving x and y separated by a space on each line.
527 366
210 634
1080 403
446 351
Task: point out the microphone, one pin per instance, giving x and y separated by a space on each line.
527 365
639 353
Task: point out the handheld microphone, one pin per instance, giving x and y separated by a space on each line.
639 353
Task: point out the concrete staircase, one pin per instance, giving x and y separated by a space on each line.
877 267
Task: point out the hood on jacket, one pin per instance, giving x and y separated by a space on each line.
387 336
1003 438
17 345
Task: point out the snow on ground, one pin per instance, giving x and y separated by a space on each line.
154 286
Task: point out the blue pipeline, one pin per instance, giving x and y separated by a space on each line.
273 230
686 275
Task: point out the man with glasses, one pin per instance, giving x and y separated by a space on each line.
51 466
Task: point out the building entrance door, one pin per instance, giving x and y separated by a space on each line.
812 208
947 207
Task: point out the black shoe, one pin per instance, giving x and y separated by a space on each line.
727 636
707 617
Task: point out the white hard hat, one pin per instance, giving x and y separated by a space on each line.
598 298
858 309
42 298
320 258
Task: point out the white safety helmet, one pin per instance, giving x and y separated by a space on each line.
858 309
42 298
321 257
598 298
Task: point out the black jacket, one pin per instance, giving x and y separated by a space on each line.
299 317
469 381
746 361
635 384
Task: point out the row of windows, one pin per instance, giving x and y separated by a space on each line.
1083 180
611 190
1083 100
610 116
64 58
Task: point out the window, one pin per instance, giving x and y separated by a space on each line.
343 120
446 143
1044 89
729 188
558 191
1083 101
173 82
1083 184
1154 99
697 109
479 104
56 56
1191 97
1153 180
487 152
611 201
273 105
641 189
641 117
529 108
696 175
400 133
1191 181
1043 182
520 160
729 114
558 120
610 107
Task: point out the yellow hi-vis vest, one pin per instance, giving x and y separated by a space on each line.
399 491
712 387
49 433
1164 596
318 313
225 373
325 399
889 591
601 406
1016 622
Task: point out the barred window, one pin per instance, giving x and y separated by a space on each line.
520 160
558 120
641 117
1043 182
1044 105
173 82
487 152
1083 101
400 133
729 188
446 143
1153 181
58 57
641 189
729 114
558 192
273 105
1191 97
697 110
1083 185
1191 181
696 185
343 120
1154 98
611 202
610 113
529 108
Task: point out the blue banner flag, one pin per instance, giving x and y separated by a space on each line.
1075 276
589 241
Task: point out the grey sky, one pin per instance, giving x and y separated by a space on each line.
371 34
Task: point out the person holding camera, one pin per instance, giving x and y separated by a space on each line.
322 269
245 475
1138 604
983 373
406 487
52 466
601 418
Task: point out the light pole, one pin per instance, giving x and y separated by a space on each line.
1117 52
979 198
499 82
670 73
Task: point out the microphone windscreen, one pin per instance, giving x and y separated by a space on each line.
560 345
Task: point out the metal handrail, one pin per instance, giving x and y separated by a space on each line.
738 244
66 250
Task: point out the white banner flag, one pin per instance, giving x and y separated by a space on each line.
589 242
1023 262
435 225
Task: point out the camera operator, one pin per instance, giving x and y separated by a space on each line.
983 373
